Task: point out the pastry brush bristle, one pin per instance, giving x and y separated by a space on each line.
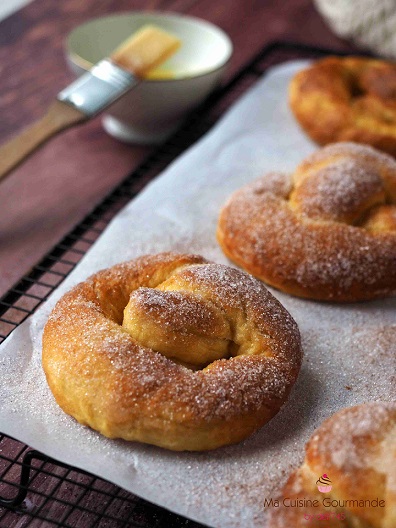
146 49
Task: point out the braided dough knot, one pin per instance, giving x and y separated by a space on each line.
327 232
186 319
347 99
171 350
347 183
179 325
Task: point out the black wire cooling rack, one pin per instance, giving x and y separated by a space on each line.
35 490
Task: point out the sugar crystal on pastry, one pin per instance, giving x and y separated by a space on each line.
331 236
171 350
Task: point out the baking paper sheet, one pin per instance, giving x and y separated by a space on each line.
349 349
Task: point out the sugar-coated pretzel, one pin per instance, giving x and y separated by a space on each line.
328 232
171 350
356 448
347 99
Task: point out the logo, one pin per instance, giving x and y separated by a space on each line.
325 508
324 484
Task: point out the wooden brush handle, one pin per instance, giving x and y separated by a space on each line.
58 117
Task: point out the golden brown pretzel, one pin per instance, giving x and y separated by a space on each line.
202 356
327 233
347 99
356 449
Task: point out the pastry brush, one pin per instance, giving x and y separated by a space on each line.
94 91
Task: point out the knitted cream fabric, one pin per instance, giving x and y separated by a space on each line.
370 23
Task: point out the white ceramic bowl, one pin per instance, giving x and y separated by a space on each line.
153 110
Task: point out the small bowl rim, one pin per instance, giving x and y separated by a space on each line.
86 65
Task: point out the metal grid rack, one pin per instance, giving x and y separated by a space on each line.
36 490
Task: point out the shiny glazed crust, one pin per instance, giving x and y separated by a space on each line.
103 370
357 449
347 99
328 232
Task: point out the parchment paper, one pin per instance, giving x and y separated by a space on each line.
349 349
